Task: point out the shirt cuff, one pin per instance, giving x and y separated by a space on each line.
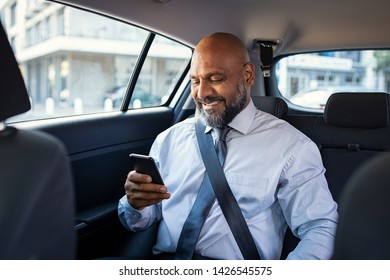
127 214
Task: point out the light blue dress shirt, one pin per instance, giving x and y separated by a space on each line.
276 174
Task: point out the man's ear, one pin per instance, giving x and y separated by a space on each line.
249 74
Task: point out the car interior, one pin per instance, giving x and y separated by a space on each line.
64 174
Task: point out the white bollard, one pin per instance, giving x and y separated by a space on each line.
78 106
137 103
108 105
49 106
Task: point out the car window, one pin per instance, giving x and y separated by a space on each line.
161 71
307 80
77 62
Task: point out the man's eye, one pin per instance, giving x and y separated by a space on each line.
195 82
216 79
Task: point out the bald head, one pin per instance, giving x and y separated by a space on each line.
225 45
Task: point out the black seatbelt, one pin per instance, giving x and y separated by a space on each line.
266 51
224 195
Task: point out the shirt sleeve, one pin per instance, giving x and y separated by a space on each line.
137 220
307 203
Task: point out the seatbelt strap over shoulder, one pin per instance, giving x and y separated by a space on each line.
224 195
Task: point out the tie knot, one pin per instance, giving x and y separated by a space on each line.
222 133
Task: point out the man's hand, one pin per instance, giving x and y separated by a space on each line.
140 192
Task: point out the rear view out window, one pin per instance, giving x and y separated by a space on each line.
76 62
307 80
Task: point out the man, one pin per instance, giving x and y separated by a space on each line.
275 172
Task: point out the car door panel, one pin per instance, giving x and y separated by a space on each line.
99 146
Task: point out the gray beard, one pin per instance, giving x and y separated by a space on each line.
227 115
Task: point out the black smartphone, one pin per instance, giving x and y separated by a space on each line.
146 165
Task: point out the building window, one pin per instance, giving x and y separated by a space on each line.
13 14
13 43
60 23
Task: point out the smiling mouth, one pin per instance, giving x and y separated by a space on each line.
210 103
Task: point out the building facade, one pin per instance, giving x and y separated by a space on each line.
66 54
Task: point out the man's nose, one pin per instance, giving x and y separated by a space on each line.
204 90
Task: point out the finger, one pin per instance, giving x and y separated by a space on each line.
148 187
141 195
139 199
145 195
134 176
142 182
140 204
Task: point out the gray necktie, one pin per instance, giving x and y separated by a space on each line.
204 200
220 145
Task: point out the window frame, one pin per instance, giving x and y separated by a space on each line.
133 79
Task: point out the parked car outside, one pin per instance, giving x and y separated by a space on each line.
317 98
139 98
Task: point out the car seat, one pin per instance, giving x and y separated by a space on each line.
36 187
364 224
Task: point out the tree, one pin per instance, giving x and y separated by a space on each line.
382 60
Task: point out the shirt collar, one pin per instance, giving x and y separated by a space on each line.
243 121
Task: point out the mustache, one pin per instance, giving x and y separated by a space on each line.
210 99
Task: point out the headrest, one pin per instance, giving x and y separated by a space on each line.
271 104
13 94
358 110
